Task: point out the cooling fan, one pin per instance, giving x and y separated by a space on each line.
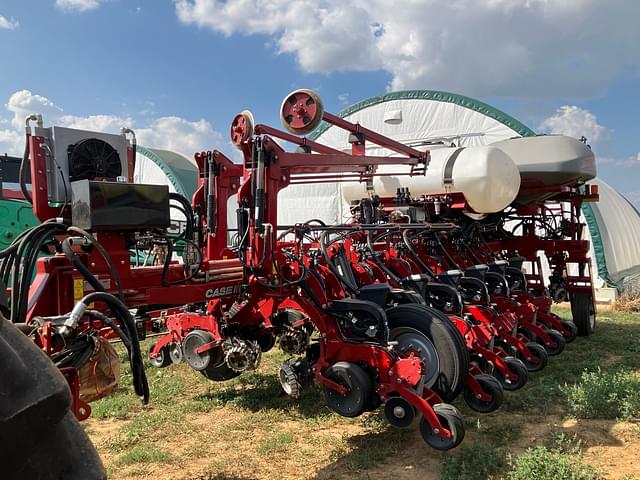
93 158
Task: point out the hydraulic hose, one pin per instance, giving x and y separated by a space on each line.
105 255
24 164
324 243
187 210
121 312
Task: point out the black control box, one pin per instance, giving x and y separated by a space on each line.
109 206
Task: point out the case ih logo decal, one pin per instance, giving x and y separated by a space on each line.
222 291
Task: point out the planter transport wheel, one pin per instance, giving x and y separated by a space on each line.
584 314
442 349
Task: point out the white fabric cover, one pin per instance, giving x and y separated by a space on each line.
619 229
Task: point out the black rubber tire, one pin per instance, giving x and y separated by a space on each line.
584 315
557 337
360 385
219 371
452 420
490 386
162 360
515 366
480 362
449 344
538 351
572 328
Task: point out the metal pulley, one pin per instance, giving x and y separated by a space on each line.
242 128
301 111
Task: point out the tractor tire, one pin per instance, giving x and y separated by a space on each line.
39 435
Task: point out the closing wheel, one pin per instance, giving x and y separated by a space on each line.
301 112
162 359
219 372
538 352
571 328
491 387
516 367
175 353
242 128
584 313
360 389
452 420
399 413
429 334
557 338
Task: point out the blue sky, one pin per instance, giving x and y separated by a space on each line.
179 71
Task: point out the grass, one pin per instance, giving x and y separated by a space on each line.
605 395
245 428
629 301
541 463
143 454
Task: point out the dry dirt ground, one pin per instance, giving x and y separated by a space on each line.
246 429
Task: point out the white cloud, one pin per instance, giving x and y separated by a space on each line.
11 142
78 5
8 23
172 133
575 122
487 48
24 103
180 135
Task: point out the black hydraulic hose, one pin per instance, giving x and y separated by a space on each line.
74 354
29 264
121 312
324 244
188 213
167 262
95 314
24 247
105 255
445 252
380 263
78 265
409 244
24 164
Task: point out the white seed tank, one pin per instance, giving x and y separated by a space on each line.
487 177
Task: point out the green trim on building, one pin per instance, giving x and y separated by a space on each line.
470 103
596 241
182 174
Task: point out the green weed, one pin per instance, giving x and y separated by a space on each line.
600 394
